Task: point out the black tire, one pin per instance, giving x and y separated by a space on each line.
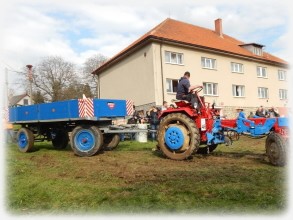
25 140
276 149
86 140
60 140
206 149
111 141
186 136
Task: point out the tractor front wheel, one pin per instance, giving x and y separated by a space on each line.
178 136
276 149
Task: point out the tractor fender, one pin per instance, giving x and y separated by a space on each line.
187 111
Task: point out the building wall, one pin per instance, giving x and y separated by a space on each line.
24 101
225 78
142 76
132 78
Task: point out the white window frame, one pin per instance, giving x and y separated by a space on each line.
282 75
257 51
174 58
170 85
210 89
263 92
236 67
283 94
208 63
261 72
238 90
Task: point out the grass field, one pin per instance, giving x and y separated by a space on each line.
133 179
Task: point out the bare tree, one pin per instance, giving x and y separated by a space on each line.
89 66
76 91
52 76
38 97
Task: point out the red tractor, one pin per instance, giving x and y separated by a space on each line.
186 130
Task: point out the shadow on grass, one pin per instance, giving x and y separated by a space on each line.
48 146
257 157
249 155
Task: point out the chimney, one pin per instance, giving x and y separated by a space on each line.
218 27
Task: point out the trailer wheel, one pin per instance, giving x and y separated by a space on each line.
206 149
111 141
178 136
60 140
25 140
86 140
276 149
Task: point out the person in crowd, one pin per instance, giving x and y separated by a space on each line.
273 113
241 114
154 120
261 112
217 113
165 106
251 115
172 106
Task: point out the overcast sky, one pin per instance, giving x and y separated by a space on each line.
76 30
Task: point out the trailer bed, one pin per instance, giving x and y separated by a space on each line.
69 110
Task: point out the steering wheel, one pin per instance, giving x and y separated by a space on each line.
197 89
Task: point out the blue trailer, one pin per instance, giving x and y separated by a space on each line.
89 122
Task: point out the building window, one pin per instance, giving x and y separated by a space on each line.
172 85
25 102
238 90
282 75
283 94
263 93
174 58
257 51
262 72
210 89
237 67
208 63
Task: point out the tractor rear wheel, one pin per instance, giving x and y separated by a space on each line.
86 140
178 136
111 141
276 149
25 140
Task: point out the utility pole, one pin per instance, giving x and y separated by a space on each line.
30 79
6 104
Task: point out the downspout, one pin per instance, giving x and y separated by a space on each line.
99 89
162 74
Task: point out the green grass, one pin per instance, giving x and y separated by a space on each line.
133 179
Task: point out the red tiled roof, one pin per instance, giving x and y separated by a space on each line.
188 34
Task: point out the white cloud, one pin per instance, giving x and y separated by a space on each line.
32 29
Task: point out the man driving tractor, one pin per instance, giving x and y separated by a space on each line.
184 90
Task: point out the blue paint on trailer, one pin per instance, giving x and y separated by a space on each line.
66 111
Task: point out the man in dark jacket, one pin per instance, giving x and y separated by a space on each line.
154 120
184 89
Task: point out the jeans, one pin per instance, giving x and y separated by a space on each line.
154 134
